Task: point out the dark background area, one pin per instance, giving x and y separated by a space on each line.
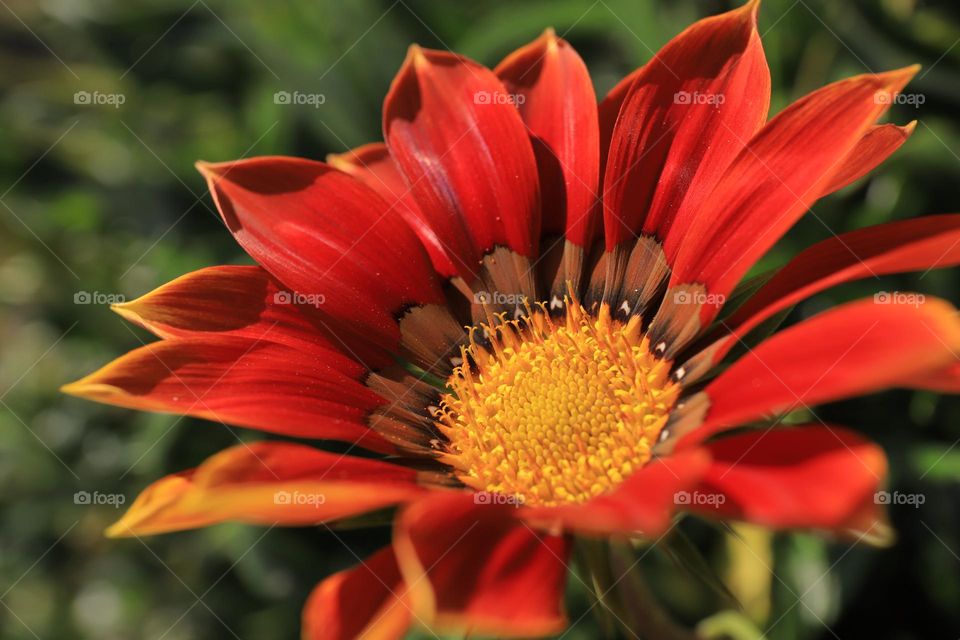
103 199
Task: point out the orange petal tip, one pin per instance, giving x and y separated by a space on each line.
127 525
341 161
209 170
123 307
128 311
118 530
750 9
416 56
69 388
87 388
902 75
75 388
550 38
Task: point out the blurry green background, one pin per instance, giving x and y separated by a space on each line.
103 199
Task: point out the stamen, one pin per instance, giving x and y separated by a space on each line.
557 410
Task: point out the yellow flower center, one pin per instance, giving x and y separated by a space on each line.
555 411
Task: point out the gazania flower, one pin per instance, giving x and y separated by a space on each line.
521 313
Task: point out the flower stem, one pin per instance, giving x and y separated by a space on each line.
622 594
645 616
591 556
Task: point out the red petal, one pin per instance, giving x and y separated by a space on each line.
363 602
876 145
896 247
273 387
609 110
854 349
474 568
946 380
559 108
465 153
373 165
668 152
644 504
268 483
806 477
773 181
324 233
239 301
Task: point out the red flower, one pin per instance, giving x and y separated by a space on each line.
587 395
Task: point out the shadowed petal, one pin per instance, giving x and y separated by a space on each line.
262 385
812 477
559 107
854 349
464 150
931 242
323 233
474 567
373 165
366 601
775 179
688 113
873 149
945 380
241 301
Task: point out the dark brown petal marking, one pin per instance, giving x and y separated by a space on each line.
687 416
570 271
630 277
678 320
699 365
406 418
645 276
507 280
430 336
597 268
